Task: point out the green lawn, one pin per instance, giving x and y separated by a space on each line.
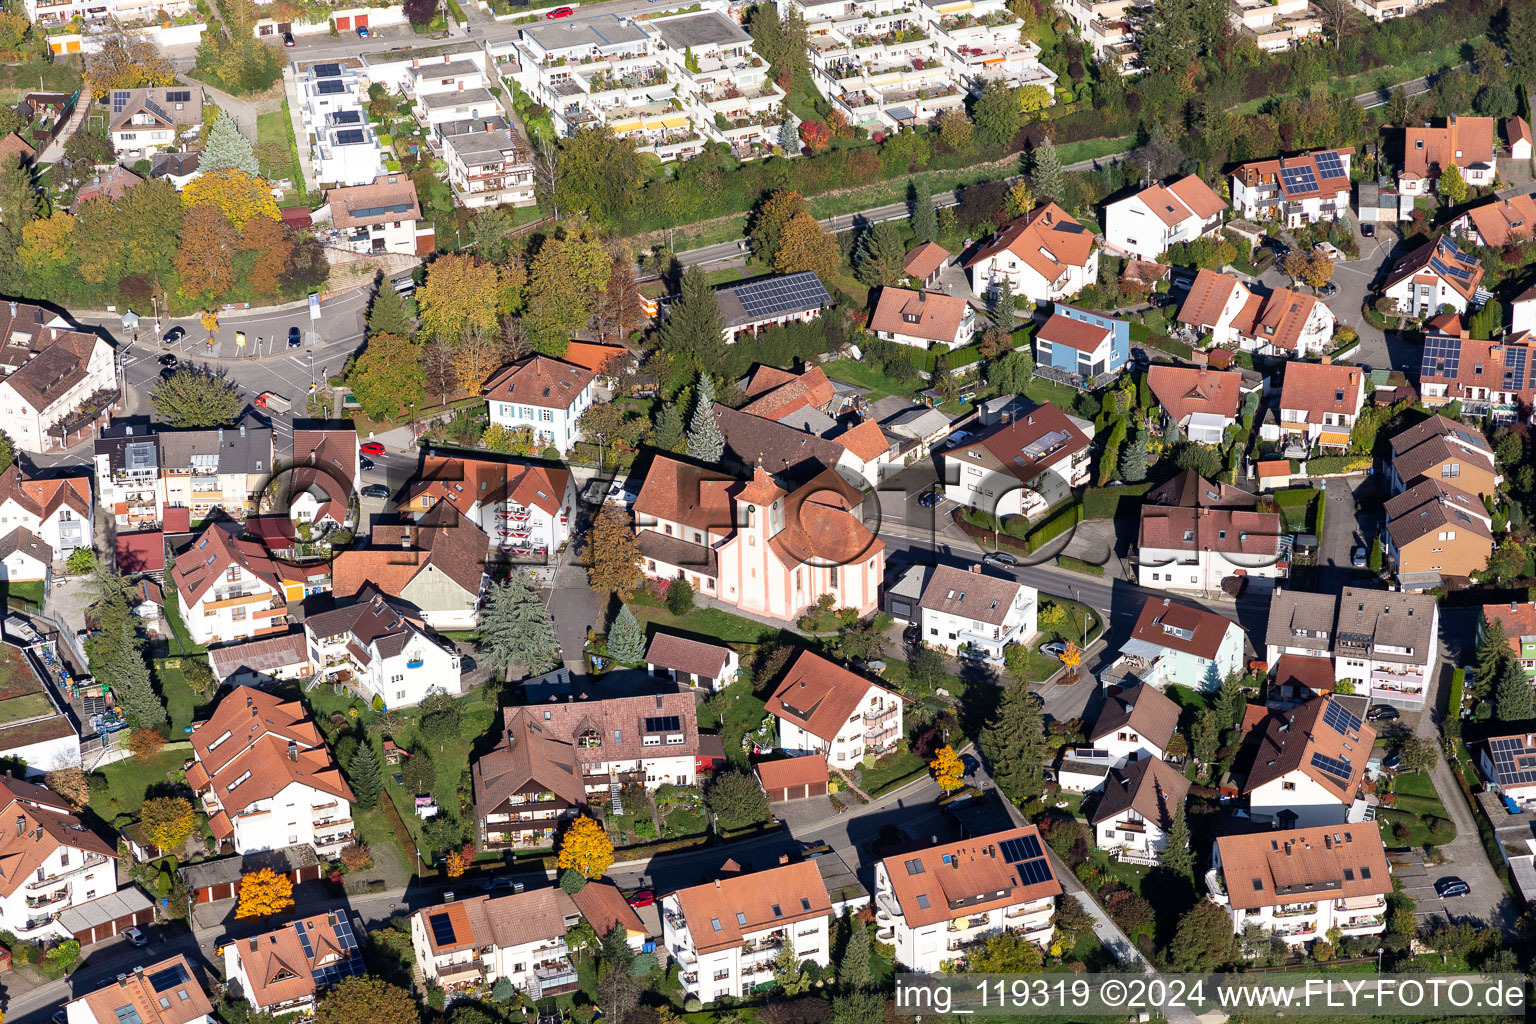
28 705
1416 801
30 592
1047 392
128 780
867 376
711 622
891 771
276 148
182 644
180 701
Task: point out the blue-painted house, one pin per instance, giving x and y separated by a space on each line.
1082 344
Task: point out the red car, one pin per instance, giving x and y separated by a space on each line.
643 898
560 12
371 448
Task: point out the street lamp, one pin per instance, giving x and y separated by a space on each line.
156 300
1078 598
1379 950
311 371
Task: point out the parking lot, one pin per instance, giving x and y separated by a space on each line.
1419 884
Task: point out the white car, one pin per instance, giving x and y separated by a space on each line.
135 936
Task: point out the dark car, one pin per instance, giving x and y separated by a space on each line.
969 764
1368 230
287 38
928 499
375 491
1452 886
293 337
362 31
1357 558
1382 713
494 884
363 462
173 335
912 635
1329 290
168 360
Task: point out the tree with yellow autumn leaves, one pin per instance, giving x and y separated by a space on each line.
237 194
586 848
264 892
168 821
948 771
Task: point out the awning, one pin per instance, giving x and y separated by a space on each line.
459 972
1141 649
1331 437
901 113
220 826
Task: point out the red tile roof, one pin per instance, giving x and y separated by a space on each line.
818 695
1443 250
140 552
1504 221
1047 229
167 992
1074 334
1018 446
1318 388
924 260
931 316
1316 674
1519 620
866 441
1180 627
1208 297
1266 869
1184 391
765 899
1462 141
1292 737
539 381
792 772
929 882
1267 172
388 198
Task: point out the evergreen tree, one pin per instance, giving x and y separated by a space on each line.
517 629
1133 459
1492 652
669 436
1045 173
854 971
1178 856
365 776
1004 306
1014 745
1231 699
693 331
226 147
789 130
880 255
925 219
1515 700
705 442
387 314
1172 434
116 652
626 640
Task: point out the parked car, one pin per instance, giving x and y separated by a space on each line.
173 335
362 31
912 635
999 558
375 491
168 360
1055 649
364 462
1450 886
645 897
135 936
1382 713
373 448
559 12
1368 230
1357 558
294 340
287 38
1329 290
928 499
494 884
957 438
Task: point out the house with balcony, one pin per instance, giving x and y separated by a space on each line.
1181 645
524 508
1488 377
1276 322
1296 190
56 511
1299 883
480 940
286 970
1308 764
823 708
345 150
434 567
1320 402
1111 28
1275 25
1446 450
58 383
55 862
62 12
229 588
1197 549
374 651
721 80
1436 531
983 43
1384 10
265 777
974 615
140 476
922 318
1136 808
379 217
935 904
395 69
1383 642
1135 724
1436 276
1044 255
1202 401
1519 621
527 786
1495 224
1508 765
488 163
1469 143
1145 224
1023 467
152 120
168 992
726 934
545 395
1081 348
127 467
328 87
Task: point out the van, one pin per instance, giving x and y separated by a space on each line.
404 287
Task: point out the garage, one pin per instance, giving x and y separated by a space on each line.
794 778
110 915
214 880
360 21
343 22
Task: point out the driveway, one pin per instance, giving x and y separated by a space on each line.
1344 529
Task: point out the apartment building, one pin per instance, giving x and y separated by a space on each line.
1136 809
1489 378
56 511
975 615
488 163
266 778
286 970
922 318
524 508
1180 645
434 567
1319 402
56 863
1498 223
1309 764
480 940
1434 277
545 395
1199 548
1275 322
374 651
128 12
1381 641
1299 884
726 84
139 476
1081 348
935 904
1469 143
395 69
379 217
1436 531
1519 621
344 149
769 547
229 588
1384 10
58 384
1021 468
1146 224
1202 401
167 992
1112 28
726 934
1044 255
823 708
1446 450
1295 190
152 120
1275 25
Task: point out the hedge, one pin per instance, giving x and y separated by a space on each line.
1328 464
1078 565
1453 709
1055 526
1113 502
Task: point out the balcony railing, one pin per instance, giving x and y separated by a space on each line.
90 861
1301 910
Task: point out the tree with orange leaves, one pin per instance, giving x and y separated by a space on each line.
205 260
586 848
264 892
947 769
455 864
270 241
238 195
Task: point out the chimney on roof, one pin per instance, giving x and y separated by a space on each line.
717 883
13 309
405 538
21 824
1327 360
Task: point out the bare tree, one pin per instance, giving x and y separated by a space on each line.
546 173
441 376
1337 15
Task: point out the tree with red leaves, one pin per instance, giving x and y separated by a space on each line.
816 135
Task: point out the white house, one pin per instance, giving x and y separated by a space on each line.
58 863
56 510
266 778
1136 809
543 394
57 383
937 903
24 557
974 615
1177 644
151 120
1135 724
1196 549
167 992
229 589
1023 467
1320 402
1433 277
488 163
1275 322
1386 643
128 12
372 649
433 568
691 662
1294 190
1309 764
1275 25
922 318
823 708
1506 763
1301 883
1043 256
525 508
346 150
378 217
480 940
395 69
1469 143
283 971
1146 224
725 934
1203 402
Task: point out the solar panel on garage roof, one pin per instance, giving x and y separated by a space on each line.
775 295
1332 767
1329 164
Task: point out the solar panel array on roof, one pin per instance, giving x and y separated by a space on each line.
442 929
1043 446
1514 365
1028 859
350 136
330 86
326 70
1452 270
169 978
1513 761
348 117
119 100
1340 719
1299 179
157 110
1332 767
179 96
665 723
1442 356
1330 164
776 295
351 964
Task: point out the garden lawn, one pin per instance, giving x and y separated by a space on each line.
891 771
128 780
685 821
867 376
1416 800
1048 392
180 701
30 592
275 147
713 622
183 640
744 713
